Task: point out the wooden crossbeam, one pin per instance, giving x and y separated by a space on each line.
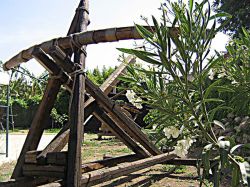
37 127
99 176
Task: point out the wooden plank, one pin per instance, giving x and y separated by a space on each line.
120 118
49 65
121 134
110 162
76 115
38 123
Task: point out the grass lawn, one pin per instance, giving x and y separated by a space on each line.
156 176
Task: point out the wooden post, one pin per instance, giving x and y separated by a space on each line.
76 117
41 117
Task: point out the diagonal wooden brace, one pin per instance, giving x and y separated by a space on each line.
38 123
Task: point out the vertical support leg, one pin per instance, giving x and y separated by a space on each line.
77 109
37 126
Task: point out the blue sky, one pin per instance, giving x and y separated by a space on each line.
28 22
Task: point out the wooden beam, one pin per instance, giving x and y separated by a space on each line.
76 114
83 38
120 118
120 133
52 171
37 127
99 176
52 68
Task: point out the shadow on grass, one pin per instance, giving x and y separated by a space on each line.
149 180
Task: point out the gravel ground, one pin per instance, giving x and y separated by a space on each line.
16 142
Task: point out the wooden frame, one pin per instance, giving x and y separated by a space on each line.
52 164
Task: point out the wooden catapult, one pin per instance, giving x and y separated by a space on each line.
55 167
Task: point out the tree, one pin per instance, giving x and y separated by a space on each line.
240 15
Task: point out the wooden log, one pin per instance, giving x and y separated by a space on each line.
83 38
99 176
121 134
38 123
120 118
76 114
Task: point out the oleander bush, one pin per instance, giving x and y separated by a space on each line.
192 90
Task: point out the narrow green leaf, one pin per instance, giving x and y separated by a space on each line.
235 177
218 123
127 79
220 15
191 4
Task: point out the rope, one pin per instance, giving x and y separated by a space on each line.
78 70
77 44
